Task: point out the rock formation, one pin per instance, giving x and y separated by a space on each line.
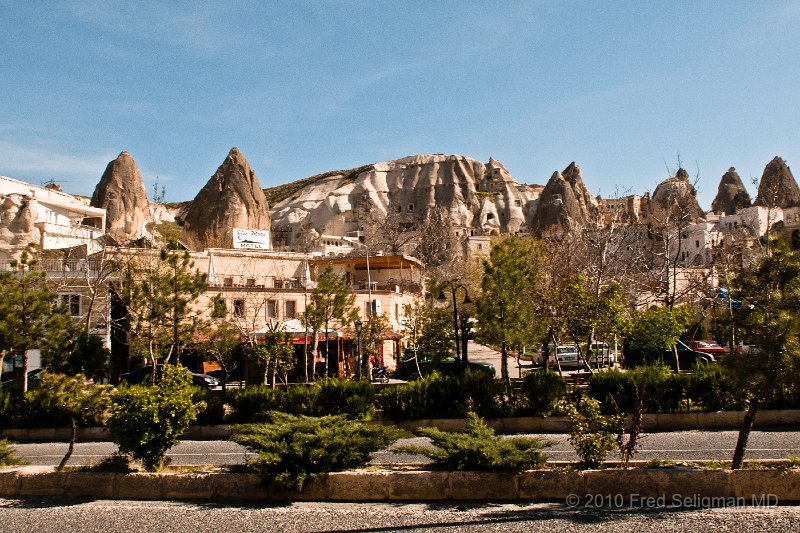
121 193
565 204
480 198
777 187
17 217
232 198
731 194
674 200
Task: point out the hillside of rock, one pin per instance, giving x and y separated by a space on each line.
232 198
731 194
481 196
121 192
565 203
777 187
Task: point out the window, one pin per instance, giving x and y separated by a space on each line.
72 303
250 282
697 244
410 208
291 309
238 308
278 283
518 203
227 282
397 311
220 309
272 309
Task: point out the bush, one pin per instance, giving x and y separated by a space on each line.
439 396
542 390
214 412
712 388
7 455
146 421
479 449
355 399
592 434
295 449
326 397
661 390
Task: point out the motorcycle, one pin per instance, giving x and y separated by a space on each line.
380 375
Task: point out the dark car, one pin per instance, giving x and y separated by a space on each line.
11 383
407 369
687 358
142 375
235 374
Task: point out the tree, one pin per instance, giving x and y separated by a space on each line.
28 311
660 328
275 351
222 345
71 397
504 311
770 293
331 305
70 350
160 299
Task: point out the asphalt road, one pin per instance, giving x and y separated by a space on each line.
29 516
678 445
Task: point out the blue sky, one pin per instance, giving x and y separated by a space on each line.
301 88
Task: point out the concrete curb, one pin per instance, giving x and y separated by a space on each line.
525 424
674 486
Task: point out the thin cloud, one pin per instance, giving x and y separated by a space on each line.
29 163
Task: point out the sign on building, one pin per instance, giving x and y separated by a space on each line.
251 238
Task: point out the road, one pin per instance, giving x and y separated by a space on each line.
30 516
677 446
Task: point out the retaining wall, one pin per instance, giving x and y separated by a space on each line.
687 487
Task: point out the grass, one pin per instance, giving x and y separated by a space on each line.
659 463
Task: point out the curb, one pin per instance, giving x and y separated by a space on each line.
675 486
523 424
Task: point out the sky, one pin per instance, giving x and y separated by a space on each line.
627 90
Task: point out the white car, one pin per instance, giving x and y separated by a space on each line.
568 356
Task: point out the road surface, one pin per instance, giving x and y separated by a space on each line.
677 446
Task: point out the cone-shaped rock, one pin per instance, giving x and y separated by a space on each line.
232 198
777 187
675 199
731 194
121 193
565 203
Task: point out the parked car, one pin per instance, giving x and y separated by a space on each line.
407 369
142 375
708 347
34 380
568 356
235 374
601 355
687 357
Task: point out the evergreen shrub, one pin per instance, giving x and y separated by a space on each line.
8 456
479 448
442 396
713 388
295 449
542 390
661 390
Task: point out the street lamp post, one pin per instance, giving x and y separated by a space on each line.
369 296
358 326
465 327
441 297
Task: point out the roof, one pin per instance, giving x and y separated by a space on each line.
375 261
